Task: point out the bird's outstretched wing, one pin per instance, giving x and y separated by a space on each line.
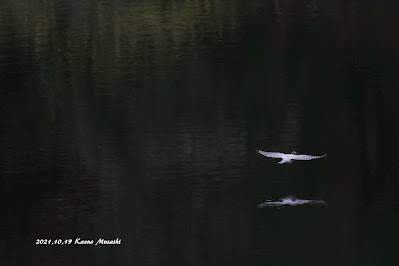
304 157
271 154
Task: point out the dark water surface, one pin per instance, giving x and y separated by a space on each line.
140 120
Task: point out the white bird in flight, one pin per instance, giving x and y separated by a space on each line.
288 158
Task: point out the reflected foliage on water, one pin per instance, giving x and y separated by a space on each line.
141 120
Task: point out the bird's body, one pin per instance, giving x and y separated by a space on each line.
288 158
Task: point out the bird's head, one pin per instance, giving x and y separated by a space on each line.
294 152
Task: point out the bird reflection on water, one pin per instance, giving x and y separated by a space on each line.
292 201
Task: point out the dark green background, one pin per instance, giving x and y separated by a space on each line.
140 120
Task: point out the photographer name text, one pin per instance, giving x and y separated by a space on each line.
78 241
